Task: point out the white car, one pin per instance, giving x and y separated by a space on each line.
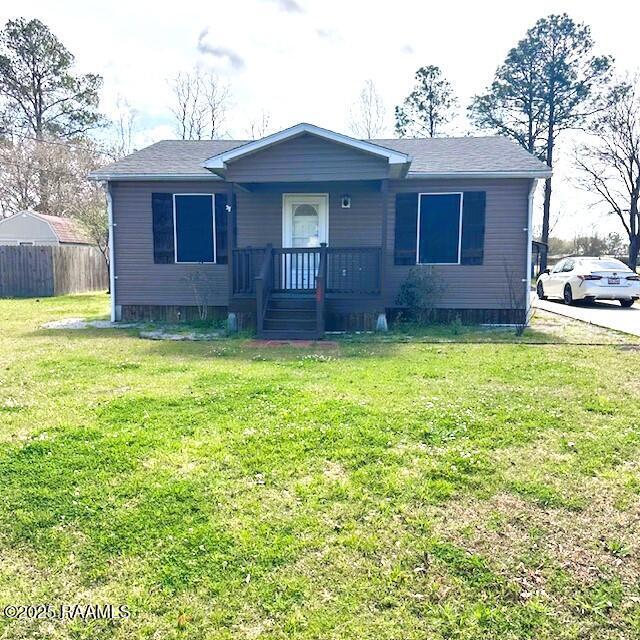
583 278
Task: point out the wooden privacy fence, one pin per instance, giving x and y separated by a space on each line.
37 271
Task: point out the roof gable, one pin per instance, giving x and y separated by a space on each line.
398 162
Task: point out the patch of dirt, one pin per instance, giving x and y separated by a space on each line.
160 334
305 344
570 330
334 470
597 542
81 323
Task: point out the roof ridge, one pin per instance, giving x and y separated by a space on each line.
199 141
425 138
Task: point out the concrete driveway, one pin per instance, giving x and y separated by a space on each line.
602 313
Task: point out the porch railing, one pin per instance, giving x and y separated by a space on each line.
354 270
263 284
321 289
347 271
246 264
295 269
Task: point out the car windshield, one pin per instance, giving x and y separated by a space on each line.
606 265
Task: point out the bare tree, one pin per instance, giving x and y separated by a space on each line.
367 114
124 127
69 193
610 164
200 103
19 185
515 297
217 96
186 111
260 126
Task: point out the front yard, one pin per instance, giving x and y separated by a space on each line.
375 489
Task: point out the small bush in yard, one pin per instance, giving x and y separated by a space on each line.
419 293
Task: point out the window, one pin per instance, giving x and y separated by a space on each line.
606 265
558 267
194 228
439 228
305 226
568 266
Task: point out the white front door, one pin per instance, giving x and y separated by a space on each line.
305 220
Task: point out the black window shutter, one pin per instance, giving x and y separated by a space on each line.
473 222
222 253
222 220
406 228
162 212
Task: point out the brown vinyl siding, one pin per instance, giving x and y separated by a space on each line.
307 158
139 281
259 220
260 214
473 286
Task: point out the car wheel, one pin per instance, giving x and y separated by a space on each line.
626 303
540 291
568 294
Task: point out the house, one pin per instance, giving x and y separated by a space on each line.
307 229
31 228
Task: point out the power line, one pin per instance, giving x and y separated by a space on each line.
60 143
37 170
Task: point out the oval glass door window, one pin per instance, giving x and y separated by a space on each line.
306 226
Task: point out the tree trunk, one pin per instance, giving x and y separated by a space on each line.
634 236
634 249
43 192
546 210
107 264
43 179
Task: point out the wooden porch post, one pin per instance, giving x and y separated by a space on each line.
231 213
384 190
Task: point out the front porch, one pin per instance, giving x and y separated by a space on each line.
291 290
307 230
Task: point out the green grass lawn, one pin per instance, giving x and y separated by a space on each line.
387 490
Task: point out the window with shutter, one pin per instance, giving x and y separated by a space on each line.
194 223
439 228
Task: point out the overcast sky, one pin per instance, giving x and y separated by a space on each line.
306 60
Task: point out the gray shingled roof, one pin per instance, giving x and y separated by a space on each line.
465 155
184 158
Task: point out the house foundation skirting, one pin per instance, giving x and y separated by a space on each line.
466 316
336 320
171 313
